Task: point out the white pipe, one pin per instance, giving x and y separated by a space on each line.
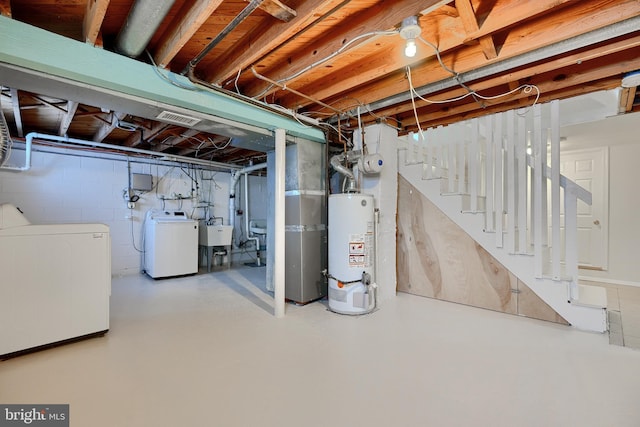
235 176
27 155
246 218
279 205
156 154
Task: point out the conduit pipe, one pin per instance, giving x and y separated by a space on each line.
235 176
142 22
159 156
253 5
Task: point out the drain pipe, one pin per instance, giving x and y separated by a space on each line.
27 156
159 156
246 219
253 5
235 176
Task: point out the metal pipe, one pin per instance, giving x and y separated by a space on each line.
596 36
279 228
142 22
253 5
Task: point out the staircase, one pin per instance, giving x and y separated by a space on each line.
498 177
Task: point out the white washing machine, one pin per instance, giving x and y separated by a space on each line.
170 244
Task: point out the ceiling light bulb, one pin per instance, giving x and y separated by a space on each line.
410 30
410 49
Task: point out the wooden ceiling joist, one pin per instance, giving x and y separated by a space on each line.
5 8
106 128
136 138
278 10
184 26
72 106
94 15
370 21
470 23
15 102
269 38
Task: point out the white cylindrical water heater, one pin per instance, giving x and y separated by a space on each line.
351 253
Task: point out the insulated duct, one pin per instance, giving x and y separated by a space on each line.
142 22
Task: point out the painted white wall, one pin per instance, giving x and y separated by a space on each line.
66 187
382 139
620 134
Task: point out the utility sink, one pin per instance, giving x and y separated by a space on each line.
215 235
258 226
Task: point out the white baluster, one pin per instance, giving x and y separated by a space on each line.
511 181
473 165
555 189
489 157
538 176
498 185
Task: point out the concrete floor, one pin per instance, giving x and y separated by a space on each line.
206 351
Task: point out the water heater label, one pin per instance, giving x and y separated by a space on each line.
360 246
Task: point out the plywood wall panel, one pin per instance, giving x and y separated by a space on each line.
437 259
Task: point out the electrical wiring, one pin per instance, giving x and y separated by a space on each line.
156 69
525 88
329 57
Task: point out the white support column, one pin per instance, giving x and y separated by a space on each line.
511 181
538 177
279 204
555 189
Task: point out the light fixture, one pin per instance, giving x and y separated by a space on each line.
631 79
410 30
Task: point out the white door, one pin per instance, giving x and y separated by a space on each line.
589 168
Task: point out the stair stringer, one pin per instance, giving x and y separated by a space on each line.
555 293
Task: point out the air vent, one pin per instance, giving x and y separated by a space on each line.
179 119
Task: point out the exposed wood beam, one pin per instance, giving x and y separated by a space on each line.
136 138
267 39
106 128
183 136
93 17
56 105
627 96
380 17
5 8
470 23
513 79
278 10
189 19
17 116
530 36
514 11
72 106
468 111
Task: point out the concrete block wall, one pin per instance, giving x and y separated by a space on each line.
70 187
